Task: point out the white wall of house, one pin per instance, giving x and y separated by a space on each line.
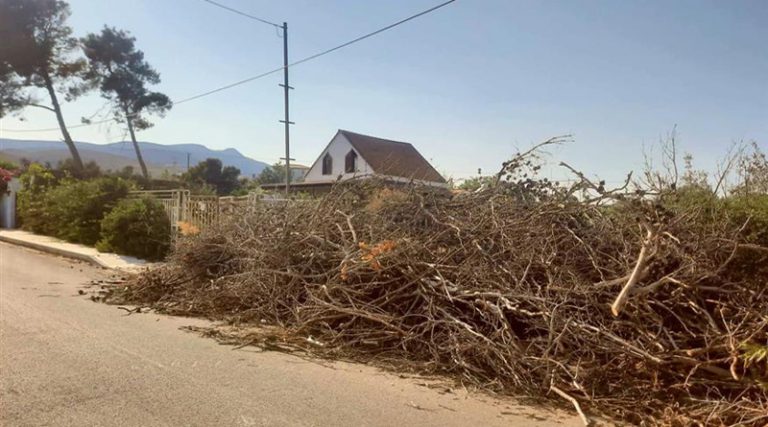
338 148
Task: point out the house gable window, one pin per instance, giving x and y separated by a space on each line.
350 162
327 164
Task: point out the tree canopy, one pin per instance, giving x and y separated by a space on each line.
123 76
12 98
274 174
39 51
211 174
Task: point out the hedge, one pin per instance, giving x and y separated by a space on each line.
137 227
71 210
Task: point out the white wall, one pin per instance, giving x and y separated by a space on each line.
8 205
339 147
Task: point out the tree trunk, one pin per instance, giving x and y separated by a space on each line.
60 118
129 121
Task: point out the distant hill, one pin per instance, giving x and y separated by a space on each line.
115 156
105 161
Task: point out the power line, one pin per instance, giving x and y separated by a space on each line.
255 18
285 85
265 74
57 129
229 86
181 101
388 27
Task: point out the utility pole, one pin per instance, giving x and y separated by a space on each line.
188 161
285 85
287 121
289 160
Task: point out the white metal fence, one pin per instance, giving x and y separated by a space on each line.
197 212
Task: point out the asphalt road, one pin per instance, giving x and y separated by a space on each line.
67 361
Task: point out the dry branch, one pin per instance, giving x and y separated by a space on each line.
507 288
634 277
574 402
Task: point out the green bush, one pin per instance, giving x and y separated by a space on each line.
742 216
751 213
693 199
71 210
136 227
35 181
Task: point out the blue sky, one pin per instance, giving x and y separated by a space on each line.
468 85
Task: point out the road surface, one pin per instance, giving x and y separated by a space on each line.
67 361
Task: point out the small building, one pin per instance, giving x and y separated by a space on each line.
298 172
351 155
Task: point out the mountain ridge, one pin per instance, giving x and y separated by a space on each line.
116 155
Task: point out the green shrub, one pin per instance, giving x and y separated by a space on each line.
8 165
71 210
35 181
746 214
136 227
693 199
751 213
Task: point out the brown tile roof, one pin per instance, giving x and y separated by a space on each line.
392 158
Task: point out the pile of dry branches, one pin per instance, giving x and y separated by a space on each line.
605 298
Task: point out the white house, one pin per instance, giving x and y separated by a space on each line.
353 155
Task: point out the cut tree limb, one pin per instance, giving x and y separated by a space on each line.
621 300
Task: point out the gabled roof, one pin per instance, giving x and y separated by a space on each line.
392 158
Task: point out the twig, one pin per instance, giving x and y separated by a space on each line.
574 402
131 310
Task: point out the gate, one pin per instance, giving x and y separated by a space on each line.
174 204
192 213
201 211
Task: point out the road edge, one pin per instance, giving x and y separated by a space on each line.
55 251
